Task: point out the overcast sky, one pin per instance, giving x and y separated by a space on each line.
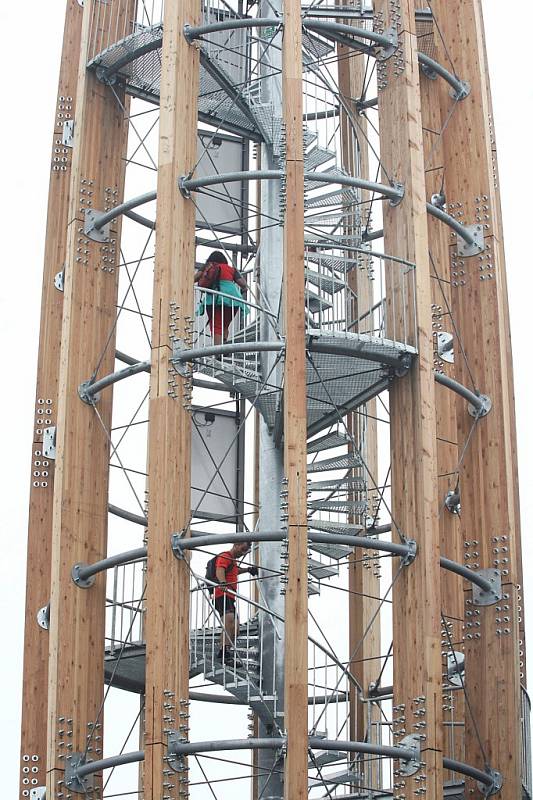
30 54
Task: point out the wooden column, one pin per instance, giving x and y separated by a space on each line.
364 574
451 543
169 456
417 604
295 411
489 492
75 687
35 670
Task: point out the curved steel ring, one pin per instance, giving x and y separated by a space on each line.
279 742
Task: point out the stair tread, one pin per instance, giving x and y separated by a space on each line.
340 485
338 506
326 526
330 440
324 283
344 461
317 156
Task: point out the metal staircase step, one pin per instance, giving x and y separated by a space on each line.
312 588
317 156
310 185
325 283
336 551
320 571
331 262
332 439
338 197
340 485
344 461
346 776
327 526
338 506
316 303
323 757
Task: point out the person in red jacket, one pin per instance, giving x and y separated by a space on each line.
227 573
222 303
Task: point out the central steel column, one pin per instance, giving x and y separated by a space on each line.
270 779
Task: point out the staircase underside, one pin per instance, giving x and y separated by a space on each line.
336 383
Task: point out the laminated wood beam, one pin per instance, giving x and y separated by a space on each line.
169 455
295 411
364 575
76 680
488 477
451 542
417 603
35 670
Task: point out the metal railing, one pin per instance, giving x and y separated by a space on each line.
125 605
113 21
240 322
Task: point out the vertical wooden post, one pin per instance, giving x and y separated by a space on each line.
35 671
295 411
489 492
447 452
417 606
167 620
363 575
75 687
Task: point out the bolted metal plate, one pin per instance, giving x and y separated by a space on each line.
83 583
72 782
480 597
59 280
49 443
455 668
97 235
445 346
497 783
411 741
43 617
68 133
464 249
38 793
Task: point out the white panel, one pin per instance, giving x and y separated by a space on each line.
221 207
212 435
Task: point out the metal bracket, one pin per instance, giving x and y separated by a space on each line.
404 365
445 346
181 367
83 583
452 501
59 280
480 597
88 397
175 762
387 51
477 413
464 249
395 201
455 668
49 443
429 72
72 782
497 783
43 617
461 93
438 200
410 556
38 793
102 234
175 544
68 133
104 77
412 742
181 186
